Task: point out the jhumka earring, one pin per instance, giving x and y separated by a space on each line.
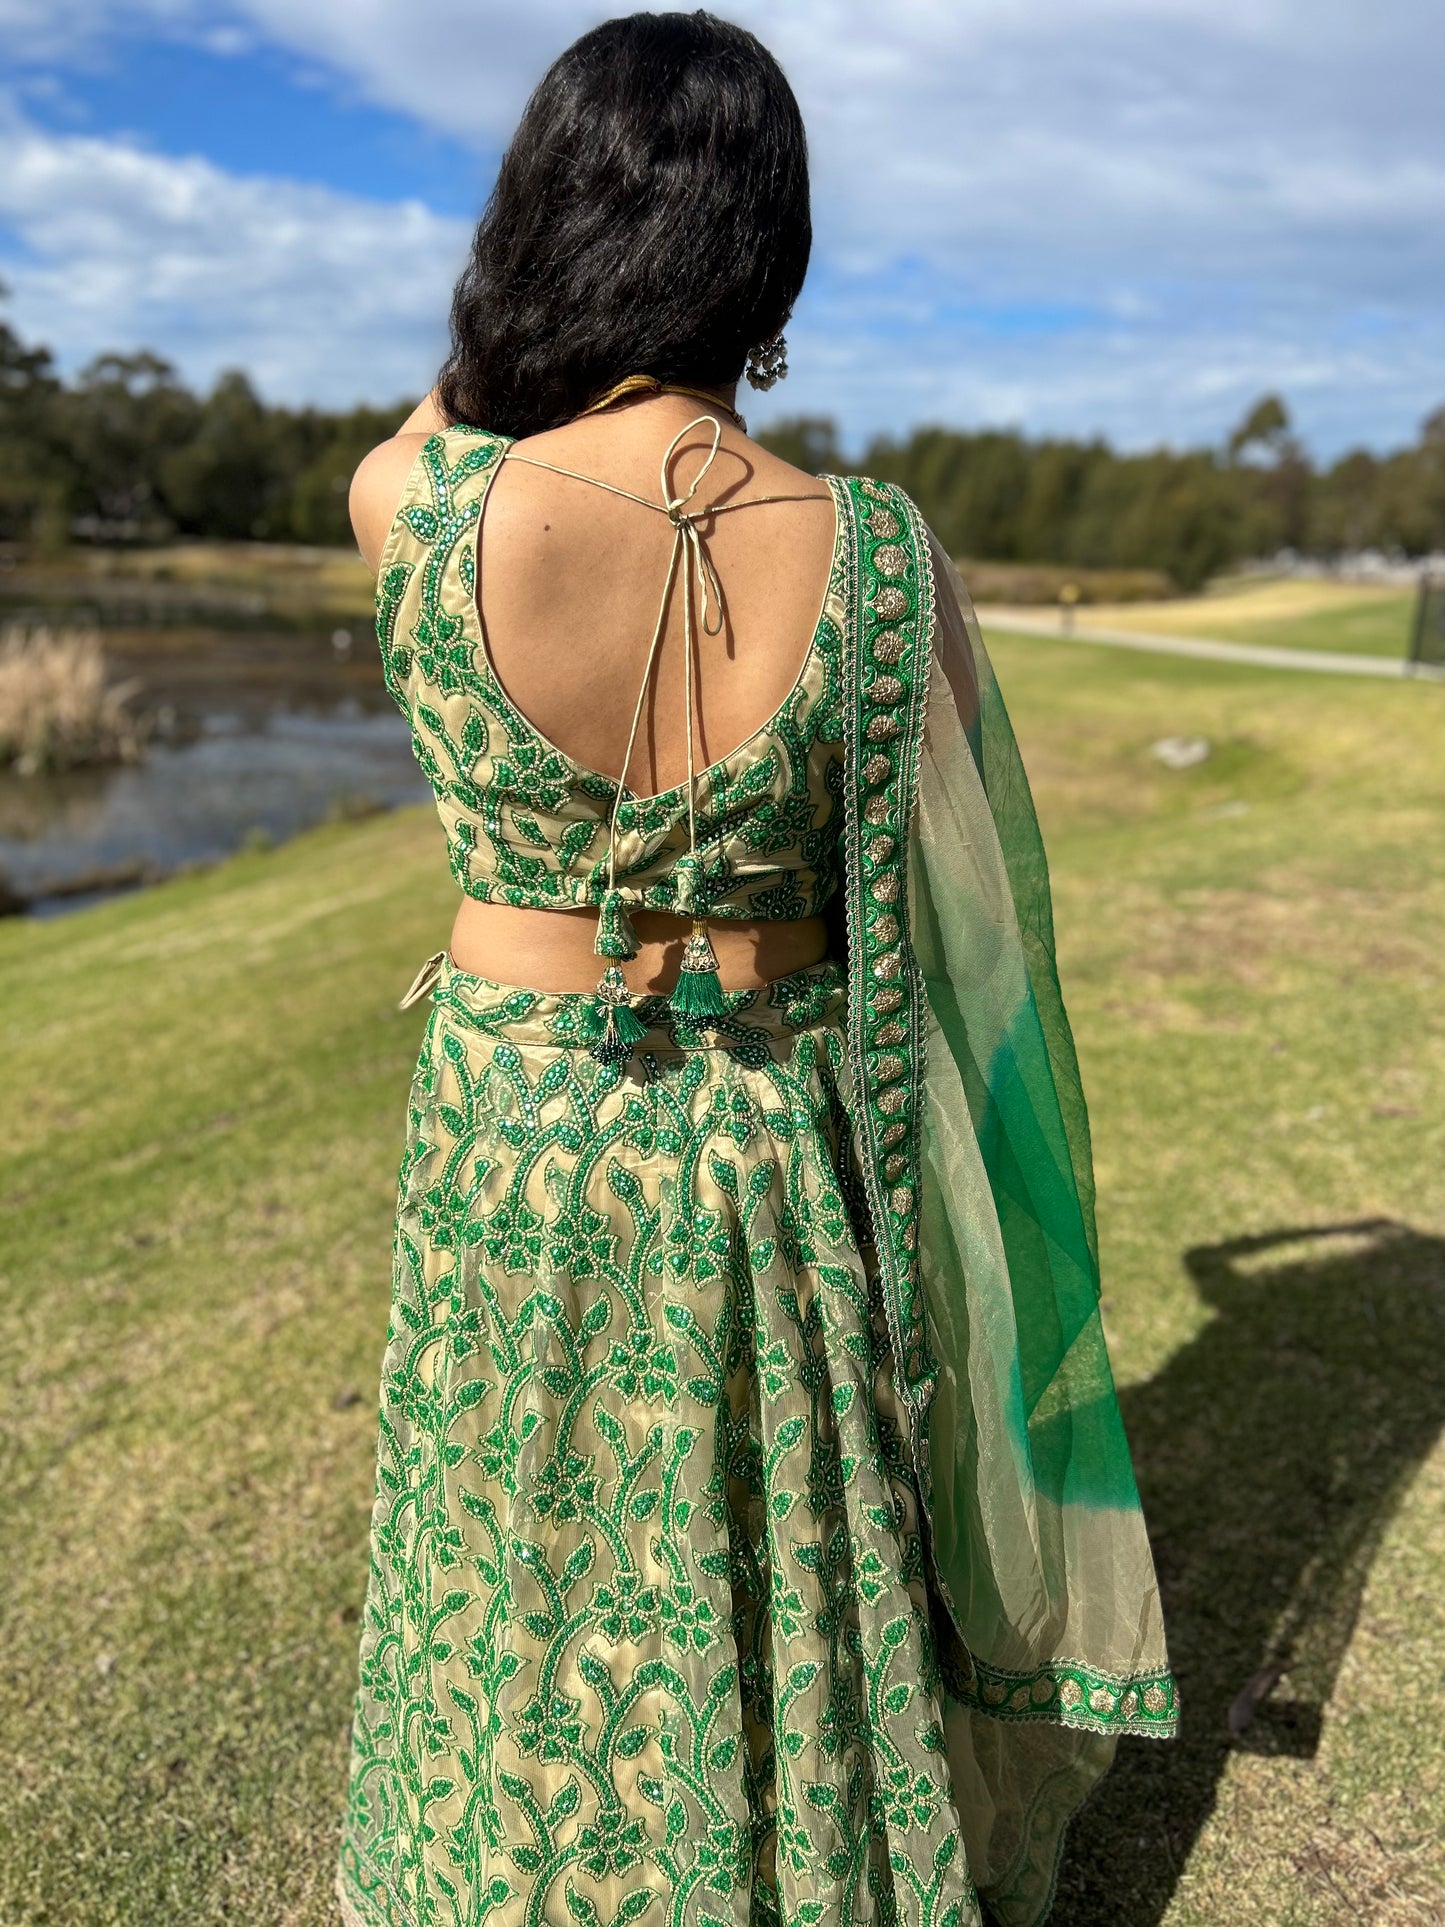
768 362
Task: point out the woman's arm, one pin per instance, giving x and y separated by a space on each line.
377 485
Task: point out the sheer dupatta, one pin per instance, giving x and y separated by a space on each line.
973 1140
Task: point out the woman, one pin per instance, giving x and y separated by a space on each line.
755 1538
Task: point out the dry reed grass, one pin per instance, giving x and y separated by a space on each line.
56 710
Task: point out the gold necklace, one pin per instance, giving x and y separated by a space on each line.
633 385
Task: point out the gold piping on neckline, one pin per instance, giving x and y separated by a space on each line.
631 387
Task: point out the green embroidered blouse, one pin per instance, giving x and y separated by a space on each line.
526 824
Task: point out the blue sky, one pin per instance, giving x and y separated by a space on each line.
1128 218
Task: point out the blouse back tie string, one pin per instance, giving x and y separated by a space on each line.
697 999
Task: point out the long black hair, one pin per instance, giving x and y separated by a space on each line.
650 217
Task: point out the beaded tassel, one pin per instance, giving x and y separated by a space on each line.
697 999
619 1026
687 884
616 937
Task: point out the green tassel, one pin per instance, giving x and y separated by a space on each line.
619 1026
698 998
630 1027
609 1048
615 934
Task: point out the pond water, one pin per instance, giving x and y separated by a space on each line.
259 734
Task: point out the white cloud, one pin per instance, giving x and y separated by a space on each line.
1028 137
319 295
70 30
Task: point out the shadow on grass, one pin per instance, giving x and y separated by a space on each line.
1271 1453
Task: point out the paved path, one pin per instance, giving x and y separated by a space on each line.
1258 655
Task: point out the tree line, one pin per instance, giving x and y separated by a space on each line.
124 451
994 495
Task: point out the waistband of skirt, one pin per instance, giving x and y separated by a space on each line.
803 1000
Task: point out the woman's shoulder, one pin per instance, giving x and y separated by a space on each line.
377 489
386 477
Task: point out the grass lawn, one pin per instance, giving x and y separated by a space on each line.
206 1086
1355 619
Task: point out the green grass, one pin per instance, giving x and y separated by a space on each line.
206 1086
1376 624
1341 616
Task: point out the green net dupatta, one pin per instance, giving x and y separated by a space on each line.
973 1142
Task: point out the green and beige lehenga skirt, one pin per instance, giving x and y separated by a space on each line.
647 1633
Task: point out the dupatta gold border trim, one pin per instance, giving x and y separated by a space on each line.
888 646
1065 1692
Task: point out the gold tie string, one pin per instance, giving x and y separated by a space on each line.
686 536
